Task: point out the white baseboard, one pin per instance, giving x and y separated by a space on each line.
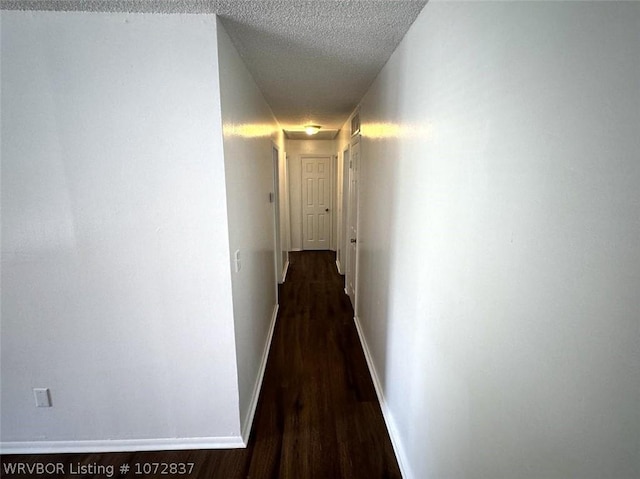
296 249
388 417
339 266
248 420
284 272
121 445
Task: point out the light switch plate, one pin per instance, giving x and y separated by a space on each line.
236 259
43 397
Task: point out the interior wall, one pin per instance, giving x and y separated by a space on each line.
250 131
296 149
116 290
499 240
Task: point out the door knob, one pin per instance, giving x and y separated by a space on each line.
326 209
353 240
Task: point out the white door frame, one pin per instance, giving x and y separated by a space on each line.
275 200
335 205
286 220
342 207
353 219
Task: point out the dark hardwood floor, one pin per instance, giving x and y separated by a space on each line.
318 415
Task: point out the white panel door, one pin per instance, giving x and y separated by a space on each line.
352 224
316 203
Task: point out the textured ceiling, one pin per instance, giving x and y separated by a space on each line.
313 60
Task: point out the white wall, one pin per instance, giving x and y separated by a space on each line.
116 289
499 233
296 149
250 131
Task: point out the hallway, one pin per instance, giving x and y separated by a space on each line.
318 414
480 165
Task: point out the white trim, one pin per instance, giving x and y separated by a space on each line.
248 420
355 140
386 413
277 221
286 202
339 266
297 249
334 214
284 272
122 445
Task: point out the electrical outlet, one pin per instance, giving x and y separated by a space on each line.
43 397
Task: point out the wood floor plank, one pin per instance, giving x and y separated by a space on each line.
318 416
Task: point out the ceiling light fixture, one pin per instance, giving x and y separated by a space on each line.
312 129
